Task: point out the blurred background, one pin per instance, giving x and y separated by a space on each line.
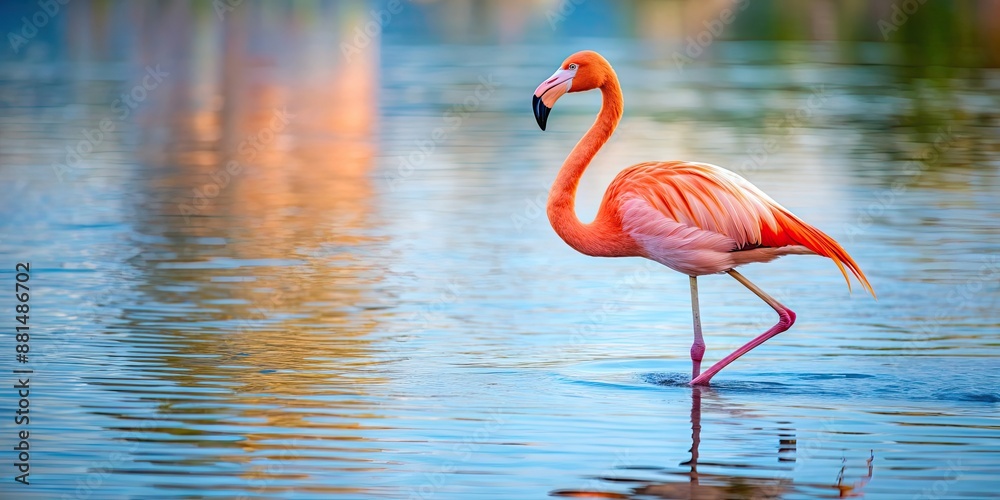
298 249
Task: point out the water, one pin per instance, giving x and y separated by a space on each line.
330 321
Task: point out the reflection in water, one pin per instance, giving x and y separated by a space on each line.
234 301
249 322
687 482
856 488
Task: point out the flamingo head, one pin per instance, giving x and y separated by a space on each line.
585 70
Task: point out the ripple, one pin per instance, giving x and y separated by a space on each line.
319 330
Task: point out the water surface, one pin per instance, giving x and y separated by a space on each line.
363 310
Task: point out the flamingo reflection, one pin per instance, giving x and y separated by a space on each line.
690 483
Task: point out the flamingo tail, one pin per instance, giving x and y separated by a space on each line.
800 233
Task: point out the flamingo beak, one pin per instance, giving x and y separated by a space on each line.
548 92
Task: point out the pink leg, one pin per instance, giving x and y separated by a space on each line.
698 347
785 320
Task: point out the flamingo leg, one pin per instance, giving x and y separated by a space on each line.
785 320
698 347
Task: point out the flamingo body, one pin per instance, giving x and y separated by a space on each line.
694 218
698 219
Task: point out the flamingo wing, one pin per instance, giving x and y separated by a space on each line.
699 219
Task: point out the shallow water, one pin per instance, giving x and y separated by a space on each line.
333 323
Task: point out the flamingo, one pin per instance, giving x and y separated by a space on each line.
694 218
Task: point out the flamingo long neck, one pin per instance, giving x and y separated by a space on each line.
596 238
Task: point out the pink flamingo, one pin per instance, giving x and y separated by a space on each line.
694 218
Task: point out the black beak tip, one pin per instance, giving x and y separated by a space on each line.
541 111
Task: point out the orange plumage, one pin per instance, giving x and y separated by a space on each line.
695 218
713 199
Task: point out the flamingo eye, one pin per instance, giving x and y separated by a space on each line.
573 66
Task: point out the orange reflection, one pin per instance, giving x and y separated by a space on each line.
257 151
